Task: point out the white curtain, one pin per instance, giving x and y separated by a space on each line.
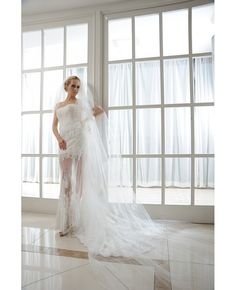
176 81
30 169
177 121
148 125
203 75
120 84
148 82
121 131
51 170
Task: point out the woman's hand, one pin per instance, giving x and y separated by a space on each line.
97 110
62 144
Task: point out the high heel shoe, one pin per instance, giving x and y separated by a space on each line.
65 232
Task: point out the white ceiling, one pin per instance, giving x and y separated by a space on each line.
30 7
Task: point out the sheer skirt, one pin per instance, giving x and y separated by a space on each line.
68 213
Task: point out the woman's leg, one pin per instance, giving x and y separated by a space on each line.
79 184
66 172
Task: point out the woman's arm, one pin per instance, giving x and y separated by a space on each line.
97 110
61 141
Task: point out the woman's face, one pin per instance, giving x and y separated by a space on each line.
73 87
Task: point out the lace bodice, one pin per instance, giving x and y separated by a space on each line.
70 127
69 117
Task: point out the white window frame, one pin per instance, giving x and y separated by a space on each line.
162 106
41 70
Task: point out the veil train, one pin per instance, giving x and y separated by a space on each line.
118 231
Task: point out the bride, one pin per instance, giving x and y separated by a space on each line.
117 229
69 114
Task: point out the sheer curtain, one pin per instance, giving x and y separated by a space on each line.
177 120
148 124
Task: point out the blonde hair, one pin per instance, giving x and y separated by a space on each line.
68 80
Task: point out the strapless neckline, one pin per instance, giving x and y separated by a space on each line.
76 103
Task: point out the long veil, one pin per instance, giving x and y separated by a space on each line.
120 231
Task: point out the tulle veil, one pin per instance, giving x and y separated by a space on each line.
119 232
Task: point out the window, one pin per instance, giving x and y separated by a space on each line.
160 99
49 56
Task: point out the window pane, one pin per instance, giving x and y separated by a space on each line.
203 79
51 84
53 47
148 180
30 176
204 130
120 124
51 174
81 72
204 181
178 181
119 39
120 180
77 44
30 133
120 84
175 32
148 131
148 83
32 50
176 81
202 28
147 36
31 91
177 131
50 144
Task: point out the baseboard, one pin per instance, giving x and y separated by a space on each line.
196 214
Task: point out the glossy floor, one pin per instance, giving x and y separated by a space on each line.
51 262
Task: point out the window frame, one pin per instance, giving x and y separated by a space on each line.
42 69
190 55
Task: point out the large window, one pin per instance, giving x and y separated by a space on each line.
49 56
160 100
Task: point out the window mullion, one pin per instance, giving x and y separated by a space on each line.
162 112
134 110
64 56
192 103
41 119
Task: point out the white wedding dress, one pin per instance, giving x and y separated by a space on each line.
117 229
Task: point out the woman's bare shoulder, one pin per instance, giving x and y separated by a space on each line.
59 104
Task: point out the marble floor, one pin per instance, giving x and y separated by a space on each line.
185 260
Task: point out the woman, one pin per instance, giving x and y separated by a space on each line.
70 142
